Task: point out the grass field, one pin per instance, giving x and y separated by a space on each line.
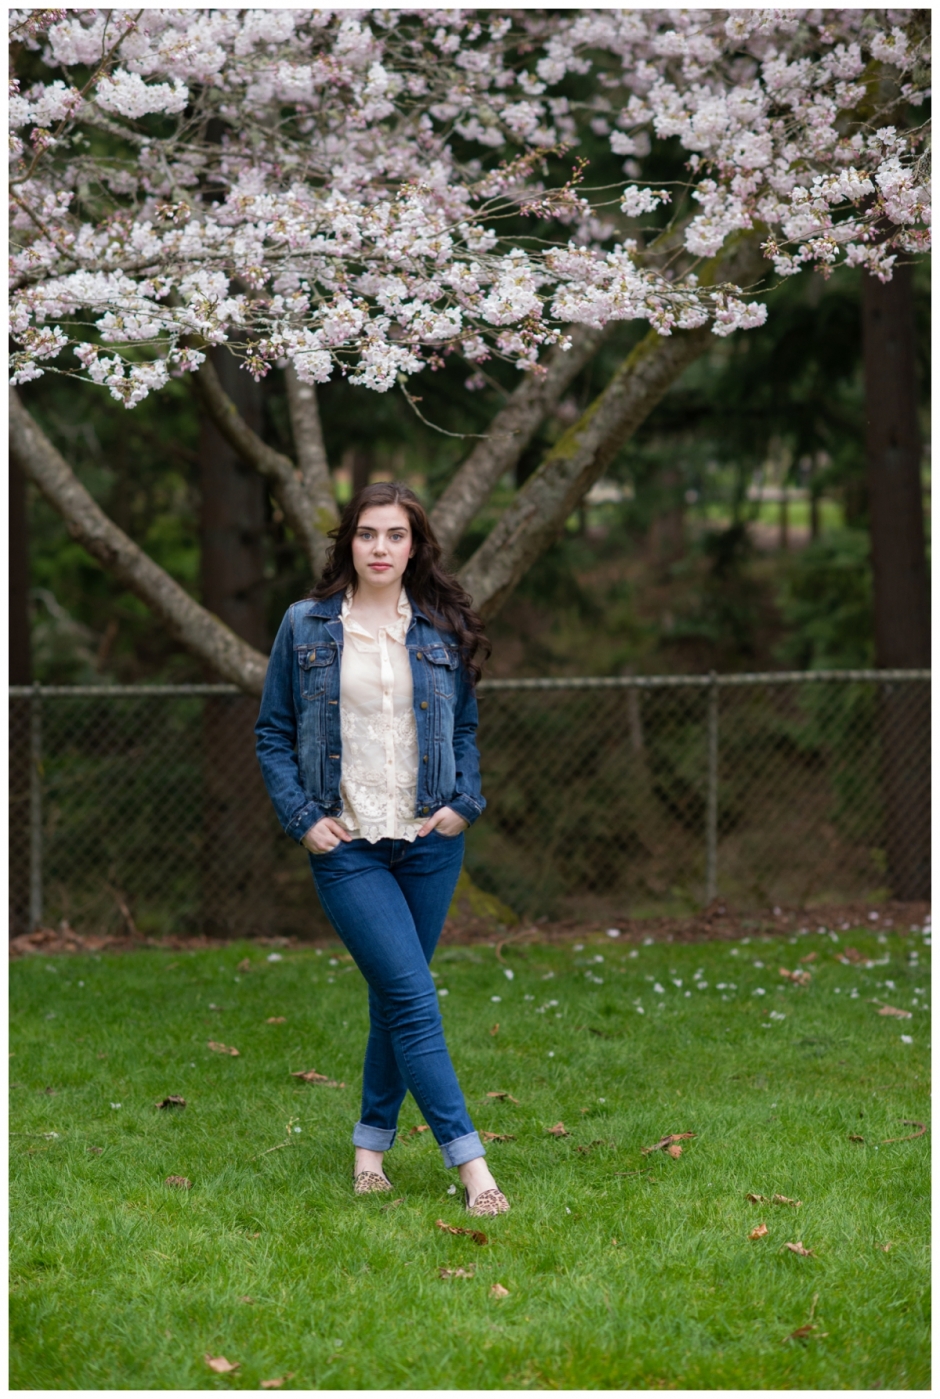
622 1270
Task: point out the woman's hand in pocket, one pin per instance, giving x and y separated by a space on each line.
325 836
446 822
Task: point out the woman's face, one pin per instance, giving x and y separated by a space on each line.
382 546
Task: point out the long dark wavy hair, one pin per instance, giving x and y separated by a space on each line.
437 592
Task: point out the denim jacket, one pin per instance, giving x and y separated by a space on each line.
298 738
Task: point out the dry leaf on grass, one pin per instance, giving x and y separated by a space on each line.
276 1020
665 1142
244 965
802 1333
220 1365
810 957
852 954
499 1137
675 1151
477 1235
223 1048
757 1199
758 1232
456 1272
392 1204
95 1150
559 1130
172 1101
276 1384
907 1122
854 1137
799 1249
311 1076
422 1127
782 1200
495 1029
893 1010
179 1181
884 1247
502 1093
497 1290
800 978
249 1300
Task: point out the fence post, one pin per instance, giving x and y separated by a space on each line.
35 808
711 811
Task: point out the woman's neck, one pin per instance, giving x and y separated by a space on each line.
379 605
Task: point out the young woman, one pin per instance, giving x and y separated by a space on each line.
366 739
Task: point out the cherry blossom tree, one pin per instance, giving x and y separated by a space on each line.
368 194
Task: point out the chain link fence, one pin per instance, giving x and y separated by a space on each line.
143 807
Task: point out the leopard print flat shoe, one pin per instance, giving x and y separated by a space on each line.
367 1182
487 1203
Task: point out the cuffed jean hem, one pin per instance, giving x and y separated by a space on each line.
377 1138
462 1149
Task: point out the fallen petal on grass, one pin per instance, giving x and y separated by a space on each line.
276 1020
180 1182
497 1290
758 1231
276 1383
220 1365
893 1010
223 1048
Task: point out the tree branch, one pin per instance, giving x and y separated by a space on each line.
580 457
509 434
199 630
287 481
312 459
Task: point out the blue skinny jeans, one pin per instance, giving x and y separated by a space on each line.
388 902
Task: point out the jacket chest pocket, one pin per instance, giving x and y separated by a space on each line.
313 662
443 662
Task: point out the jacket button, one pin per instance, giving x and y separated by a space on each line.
425 757
419 656
424 704
334 756
425 810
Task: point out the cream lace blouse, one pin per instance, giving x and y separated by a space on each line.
377 722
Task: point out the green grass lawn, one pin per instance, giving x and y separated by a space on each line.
622 1270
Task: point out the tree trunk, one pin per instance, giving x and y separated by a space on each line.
508 435
238 851
901 590
196 629
20 674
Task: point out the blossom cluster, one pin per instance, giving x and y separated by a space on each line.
329 188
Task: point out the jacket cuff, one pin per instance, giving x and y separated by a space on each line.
302 820
467 807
